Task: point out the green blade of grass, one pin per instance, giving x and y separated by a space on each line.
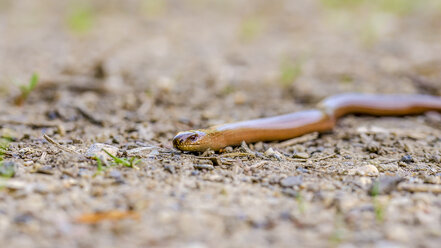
27 89
128 163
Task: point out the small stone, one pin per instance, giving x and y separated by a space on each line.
433 117
140 151
432 179
302 155
116 174
166 84
41 188
373 147
290 192
291 181
259 146
384 185
302 170
219 178
397 233
84 173
246 149
274 154
387 167
239 98
435 158
203 166
14 184
364 181
417 187
407 159
372 130
153 153
366 170
96 150
228 149
47 170
402 164
170 168
23 218
326 197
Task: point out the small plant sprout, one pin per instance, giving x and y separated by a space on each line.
251 28
301 203
99 164
379 207
4 146
7 169
338 234
290 70
81 17
153 9
131 162
25 90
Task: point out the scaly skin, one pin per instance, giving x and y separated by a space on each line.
299 123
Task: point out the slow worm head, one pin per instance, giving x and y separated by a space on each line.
199 140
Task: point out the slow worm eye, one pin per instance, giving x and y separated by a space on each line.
193 137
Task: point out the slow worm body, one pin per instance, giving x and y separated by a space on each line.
296 124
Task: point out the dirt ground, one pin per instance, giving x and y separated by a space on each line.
131 74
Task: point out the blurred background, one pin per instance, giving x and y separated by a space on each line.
237 52
132 73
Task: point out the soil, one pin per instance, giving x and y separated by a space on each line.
131 74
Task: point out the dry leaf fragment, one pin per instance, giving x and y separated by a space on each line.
113 215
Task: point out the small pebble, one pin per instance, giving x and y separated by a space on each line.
435 158
141 151
373 147
259 146
387 167
291 181
274 154
195 173
407 159
384 185
170 168
41 188
48 170
23 218
228 149
303 155
116 174
302 170
366 170
290 192
203 166
96 150
239 98
15 184
432 179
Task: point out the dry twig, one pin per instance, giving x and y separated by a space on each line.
53 142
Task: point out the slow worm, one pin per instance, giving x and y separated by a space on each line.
296 124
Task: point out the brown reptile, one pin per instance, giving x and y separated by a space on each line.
299 123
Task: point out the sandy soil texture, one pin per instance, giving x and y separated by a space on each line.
128 75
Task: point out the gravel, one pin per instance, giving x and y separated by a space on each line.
145 70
